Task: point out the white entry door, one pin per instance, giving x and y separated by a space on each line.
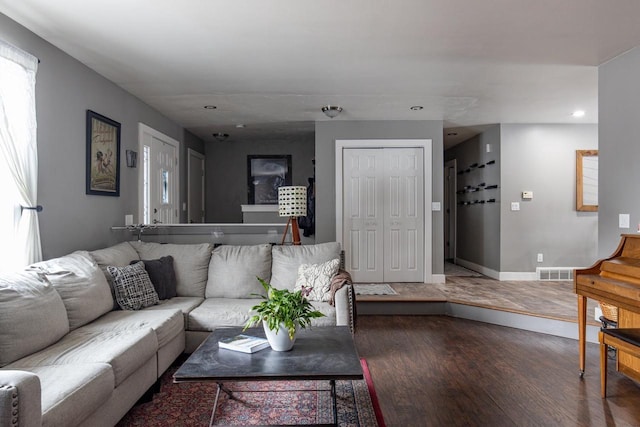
159 177
195 173
383 220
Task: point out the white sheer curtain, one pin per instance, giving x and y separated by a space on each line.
20 244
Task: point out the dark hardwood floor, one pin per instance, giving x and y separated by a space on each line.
443 371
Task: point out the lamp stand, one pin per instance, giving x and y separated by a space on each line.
295 231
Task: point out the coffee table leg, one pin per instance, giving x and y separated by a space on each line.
335 403
215 402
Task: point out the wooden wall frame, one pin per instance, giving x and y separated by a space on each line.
103 155
587 180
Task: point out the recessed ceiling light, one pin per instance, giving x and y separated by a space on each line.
210 107
417 107
240 126
578 113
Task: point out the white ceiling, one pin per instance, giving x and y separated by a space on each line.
272 64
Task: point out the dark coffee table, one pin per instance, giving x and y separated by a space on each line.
322 353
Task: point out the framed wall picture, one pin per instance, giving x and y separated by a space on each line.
264 175
103 155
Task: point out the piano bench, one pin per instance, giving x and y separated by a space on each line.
623 339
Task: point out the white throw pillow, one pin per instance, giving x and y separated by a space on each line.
133 287
287 259
317 277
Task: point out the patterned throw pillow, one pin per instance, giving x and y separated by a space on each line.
132 286
318 278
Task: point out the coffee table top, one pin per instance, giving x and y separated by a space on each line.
321 353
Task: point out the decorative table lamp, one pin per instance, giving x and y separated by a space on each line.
292 202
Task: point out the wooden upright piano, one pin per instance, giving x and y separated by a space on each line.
614 280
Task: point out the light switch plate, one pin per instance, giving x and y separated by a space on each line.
515 206
435 206
527 195
623 221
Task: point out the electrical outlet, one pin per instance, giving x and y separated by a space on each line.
540 258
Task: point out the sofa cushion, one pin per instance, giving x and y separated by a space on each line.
167 324
316 279
184 304
32 315
118 256
162 275
125 351
81 284
287 260
133 287
70 393
190 262
233 271
329 312
220 312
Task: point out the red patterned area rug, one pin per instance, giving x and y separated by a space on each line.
259 403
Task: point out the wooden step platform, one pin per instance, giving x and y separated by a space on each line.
540 306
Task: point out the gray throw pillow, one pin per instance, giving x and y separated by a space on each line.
133 287
162 275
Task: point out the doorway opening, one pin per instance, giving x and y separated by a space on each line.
159 177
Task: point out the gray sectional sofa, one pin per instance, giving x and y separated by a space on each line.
70 357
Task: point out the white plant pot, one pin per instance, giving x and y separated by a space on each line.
279 340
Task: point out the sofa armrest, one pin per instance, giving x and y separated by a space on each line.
345 307
20 398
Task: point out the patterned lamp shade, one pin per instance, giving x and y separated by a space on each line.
292 201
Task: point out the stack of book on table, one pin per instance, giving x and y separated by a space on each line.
244 343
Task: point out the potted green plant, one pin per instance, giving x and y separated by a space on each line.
281 313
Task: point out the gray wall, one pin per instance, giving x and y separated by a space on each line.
65 89
541 158
478 225
327 132
226 176
619 154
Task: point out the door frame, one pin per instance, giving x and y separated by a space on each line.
451 209
147 130
190 154
426 145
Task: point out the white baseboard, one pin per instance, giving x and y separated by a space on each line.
498 275
479 268
517 275
438 278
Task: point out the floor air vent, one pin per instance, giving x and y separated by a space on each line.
555 273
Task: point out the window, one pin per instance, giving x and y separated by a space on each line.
20 243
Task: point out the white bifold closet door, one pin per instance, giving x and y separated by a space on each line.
383 220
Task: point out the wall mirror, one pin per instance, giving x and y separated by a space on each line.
587 180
